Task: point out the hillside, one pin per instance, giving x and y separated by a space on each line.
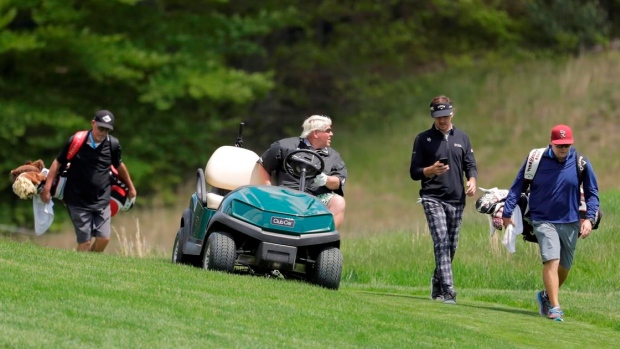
57 298
506 110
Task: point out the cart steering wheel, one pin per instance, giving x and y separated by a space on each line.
303 164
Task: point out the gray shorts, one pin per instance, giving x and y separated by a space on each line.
90 223
557 241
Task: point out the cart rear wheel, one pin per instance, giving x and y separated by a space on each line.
177 250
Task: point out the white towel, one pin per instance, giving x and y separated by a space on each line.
43 214
510 235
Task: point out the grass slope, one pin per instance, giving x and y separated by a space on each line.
506 110
56 298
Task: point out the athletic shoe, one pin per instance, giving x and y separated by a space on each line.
436 290
449 297
556 314
543 303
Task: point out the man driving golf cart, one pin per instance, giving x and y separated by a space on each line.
235 223
327 186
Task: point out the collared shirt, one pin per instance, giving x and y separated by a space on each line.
554 191
88 177
431 145
273 161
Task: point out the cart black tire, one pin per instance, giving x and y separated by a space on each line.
220 253
328 268
177 249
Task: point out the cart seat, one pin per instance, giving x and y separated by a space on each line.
230 168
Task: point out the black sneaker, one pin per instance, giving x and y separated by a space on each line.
449 297
436 293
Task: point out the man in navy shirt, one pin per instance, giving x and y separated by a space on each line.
554 211
441 155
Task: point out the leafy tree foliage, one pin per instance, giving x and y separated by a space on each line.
568 25
180 74
162 67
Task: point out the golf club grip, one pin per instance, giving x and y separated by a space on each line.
239 142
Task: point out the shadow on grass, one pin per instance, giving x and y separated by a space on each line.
493 308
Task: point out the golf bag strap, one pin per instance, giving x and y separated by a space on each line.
78 139
533 160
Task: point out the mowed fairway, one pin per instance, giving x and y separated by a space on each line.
54 298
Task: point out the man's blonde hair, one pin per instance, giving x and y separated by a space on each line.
314 123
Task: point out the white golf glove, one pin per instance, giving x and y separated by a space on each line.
320 180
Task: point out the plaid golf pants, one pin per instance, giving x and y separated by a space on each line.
444 222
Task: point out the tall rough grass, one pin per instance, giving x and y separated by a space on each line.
134 246
405 258
506 111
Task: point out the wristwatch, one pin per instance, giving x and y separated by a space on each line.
592 221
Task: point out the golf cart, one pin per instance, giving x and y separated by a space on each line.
236 224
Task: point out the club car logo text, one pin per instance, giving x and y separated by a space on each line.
285 222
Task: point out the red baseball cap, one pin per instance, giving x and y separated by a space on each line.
561 134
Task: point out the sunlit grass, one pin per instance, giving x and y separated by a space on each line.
406 257
55 299
134 297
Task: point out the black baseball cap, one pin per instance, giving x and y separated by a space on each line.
105 119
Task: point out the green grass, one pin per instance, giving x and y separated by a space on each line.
507 111
54 298
57 298
401 258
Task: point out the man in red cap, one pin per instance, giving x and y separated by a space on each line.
554 211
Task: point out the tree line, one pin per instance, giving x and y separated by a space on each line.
179 75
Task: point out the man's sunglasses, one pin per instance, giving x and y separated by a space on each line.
103 129
563 146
